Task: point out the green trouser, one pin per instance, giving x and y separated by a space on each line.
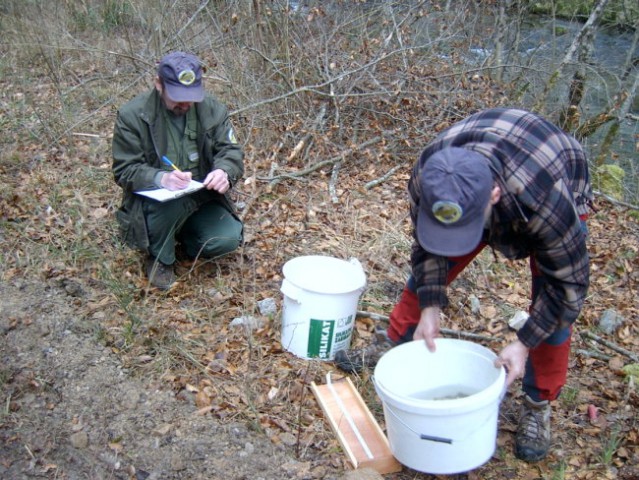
203 226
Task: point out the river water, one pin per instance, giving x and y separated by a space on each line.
540 50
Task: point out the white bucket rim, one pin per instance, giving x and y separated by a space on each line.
437 407
356 280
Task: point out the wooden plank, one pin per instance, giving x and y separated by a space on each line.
358 432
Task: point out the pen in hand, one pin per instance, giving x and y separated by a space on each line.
168 162
176 180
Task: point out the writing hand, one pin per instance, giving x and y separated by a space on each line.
176 180
513 359
217 180
428 327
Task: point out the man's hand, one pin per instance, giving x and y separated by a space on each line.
428 327
217 180
513 358
175 180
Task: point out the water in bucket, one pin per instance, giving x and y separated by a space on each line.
440 408
445 392
320 305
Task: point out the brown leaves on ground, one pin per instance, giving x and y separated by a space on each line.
57 211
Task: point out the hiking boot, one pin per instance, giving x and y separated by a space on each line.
533 433
159 274
354 361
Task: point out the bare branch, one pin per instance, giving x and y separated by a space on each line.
577 43
383 178
593 354
331 185
615 201
317 166
610 345
445 331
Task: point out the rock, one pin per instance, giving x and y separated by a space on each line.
177 463
610 321
288 439
295 469
518 319
249 449
267 307
80 440
362 474
253 323
131 399
474 304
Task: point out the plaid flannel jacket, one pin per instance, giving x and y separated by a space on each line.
543 175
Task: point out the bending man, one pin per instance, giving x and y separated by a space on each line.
507 179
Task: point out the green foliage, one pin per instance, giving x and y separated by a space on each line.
559 471
569 397
631 371
610 443
82 20
609 180
617 12
116 13
110 15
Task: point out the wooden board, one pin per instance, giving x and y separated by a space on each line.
357 430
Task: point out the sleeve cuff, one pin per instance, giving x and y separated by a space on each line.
526 334
157 180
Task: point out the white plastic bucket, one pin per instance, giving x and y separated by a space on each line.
440 408
320 304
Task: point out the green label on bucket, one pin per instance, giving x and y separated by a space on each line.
320 338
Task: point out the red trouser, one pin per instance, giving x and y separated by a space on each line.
547 365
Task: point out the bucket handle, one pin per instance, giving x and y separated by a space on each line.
424 436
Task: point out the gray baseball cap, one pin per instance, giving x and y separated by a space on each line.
182 76
456 185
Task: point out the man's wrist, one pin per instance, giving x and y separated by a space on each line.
157 180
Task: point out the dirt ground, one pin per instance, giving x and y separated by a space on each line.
71 411
73 407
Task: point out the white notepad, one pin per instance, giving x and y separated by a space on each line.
163 194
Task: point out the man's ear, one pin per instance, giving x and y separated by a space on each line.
495 195
158 84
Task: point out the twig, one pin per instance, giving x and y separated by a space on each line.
591 354
373 316
306 140
192 19
610 345
469 335
26 447
614 201
382 179
331 185
445 331
298 443
318 165
92 135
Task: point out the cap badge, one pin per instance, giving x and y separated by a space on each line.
447 212
186 77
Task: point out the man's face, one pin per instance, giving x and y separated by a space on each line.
177 108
